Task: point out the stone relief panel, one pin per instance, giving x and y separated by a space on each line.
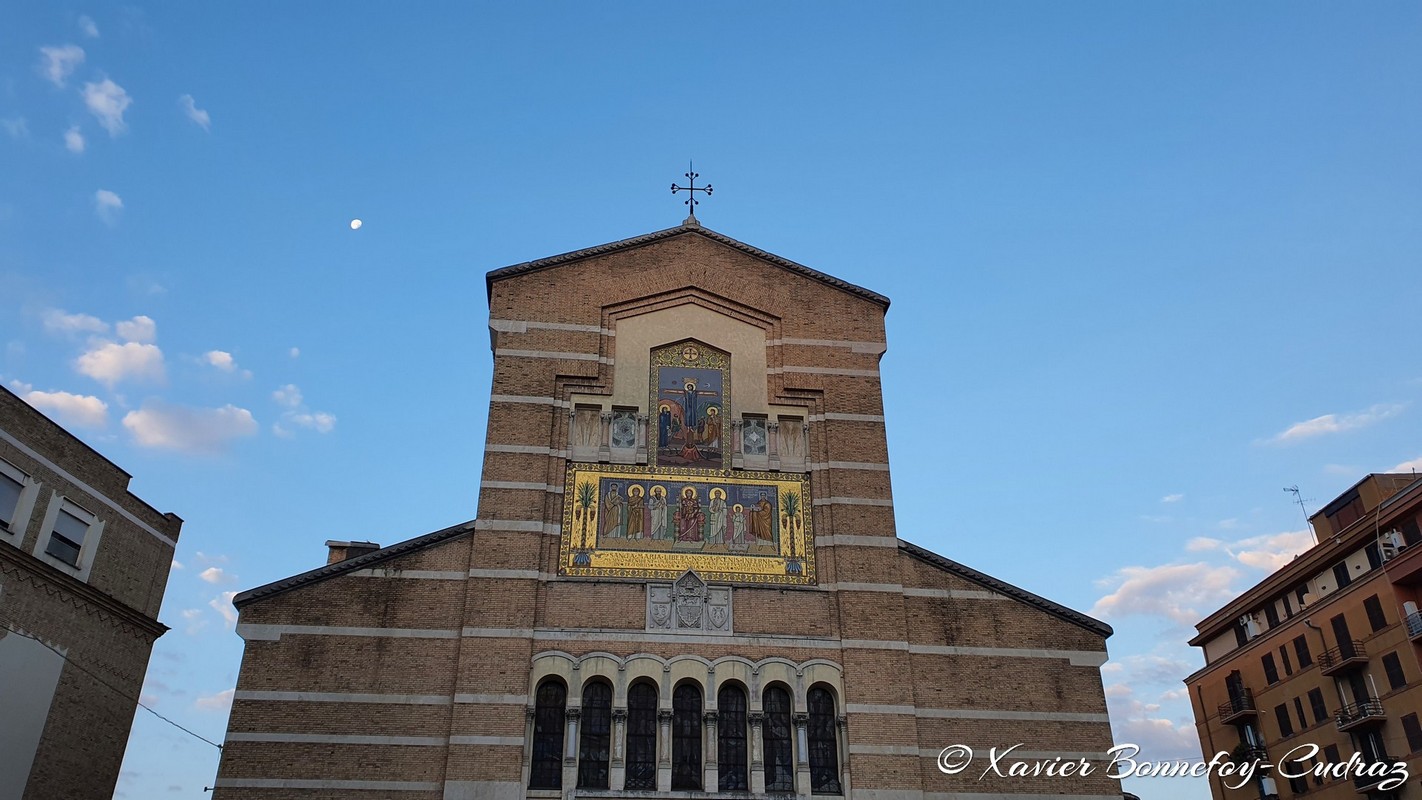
689 604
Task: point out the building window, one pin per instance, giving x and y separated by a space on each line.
1340 574
824 747
1331 757
595 739
641 737
1374 555
1298 709
1320 711
686 737
1393 666
1271 672
1301 650
1271 614
754 436
1376 617
1284 657
1288 607
12 493
547 771
779 763
69 539
1413 730
731 755
624 428
1281 715
1297 785
1346 514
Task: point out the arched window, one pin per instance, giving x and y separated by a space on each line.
641 737
596 738
686 737
779 754
731 738
824 749
549 702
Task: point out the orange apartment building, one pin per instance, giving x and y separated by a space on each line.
1315 671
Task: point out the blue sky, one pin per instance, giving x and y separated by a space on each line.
1149 264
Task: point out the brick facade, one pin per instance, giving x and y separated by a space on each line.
413 671
74 637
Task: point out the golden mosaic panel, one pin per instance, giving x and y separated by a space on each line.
658 522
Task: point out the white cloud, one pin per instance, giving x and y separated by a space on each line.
177 564
1270 551
223 360
1201 544
74 140
214 575
74 410
221 701
1177 592
1415 465
1149 726
108 205
207 559
187 429
288 396
195 618
140 329
1337 423
222 604
321 422
58 63
295 352
56 321
297 415
194 113
1172 498
17 127
110 362
107 101
87 26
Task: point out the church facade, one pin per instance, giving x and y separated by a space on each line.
684 579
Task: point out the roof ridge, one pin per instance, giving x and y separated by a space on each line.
1016 592
340 567
648 238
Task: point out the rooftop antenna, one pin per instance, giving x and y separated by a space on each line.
1298 498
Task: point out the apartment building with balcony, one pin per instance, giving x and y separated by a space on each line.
1320 664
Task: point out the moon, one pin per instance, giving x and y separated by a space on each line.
355 224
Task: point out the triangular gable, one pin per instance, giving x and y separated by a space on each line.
681 230
1003 587
351 564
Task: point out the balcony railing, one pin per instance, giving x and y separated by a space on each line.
1345 656
1367 783
1238 707
1414 626
1358 715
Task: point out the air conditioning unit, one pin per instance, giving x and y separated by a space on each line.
1390 544
1306 600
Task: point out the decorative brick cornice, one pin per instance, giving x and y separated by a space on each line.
681 230
22 566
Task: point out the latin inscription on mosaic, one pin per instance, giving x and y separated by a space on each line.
642 522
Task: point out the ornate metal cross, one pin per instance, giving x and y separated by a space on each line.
692 189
